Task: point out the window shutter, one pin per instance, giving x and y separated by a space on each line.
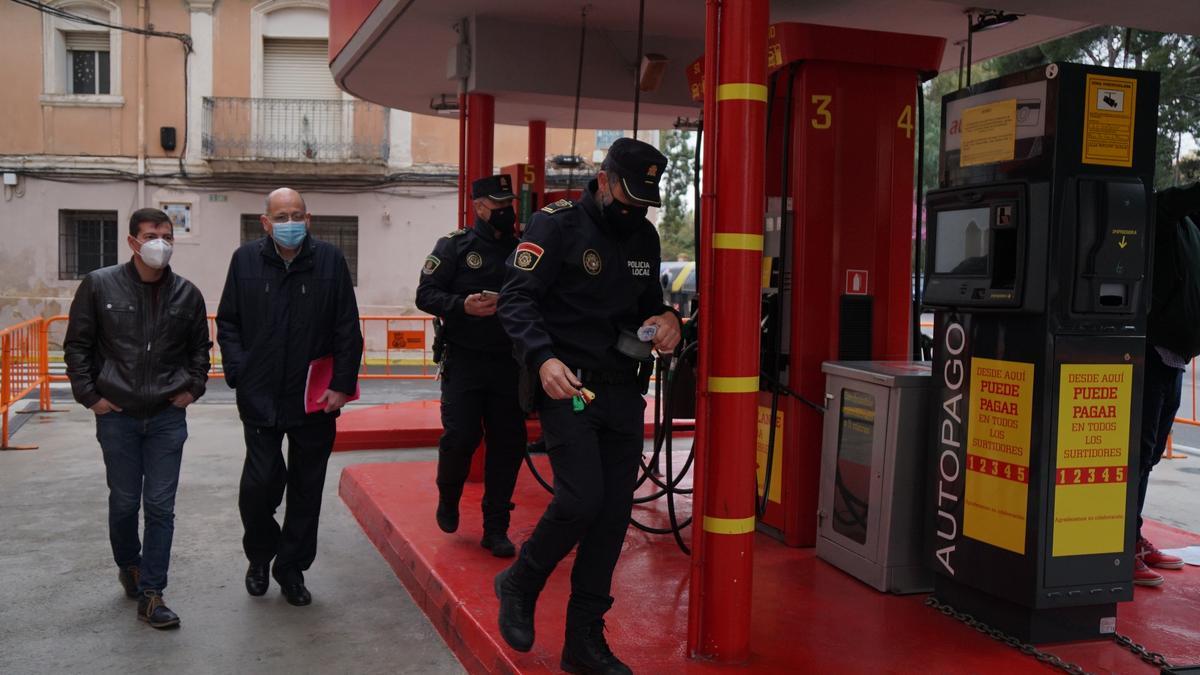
87 41
298 69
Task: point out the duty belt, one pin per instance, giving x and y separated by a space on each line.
624 376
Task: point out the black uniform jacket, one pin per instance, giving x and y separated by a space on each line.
574 281
123 346
273 321
465 262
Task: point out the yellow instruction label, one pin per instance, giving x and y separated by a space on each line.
989 133
1091 475
997 490
1108 120
764 428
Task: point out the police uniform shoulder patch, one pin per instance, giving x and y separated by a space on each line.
431 264
527 255
474 260
560 205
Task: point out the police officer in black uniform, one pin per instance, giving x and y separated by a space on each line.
459 283
581 283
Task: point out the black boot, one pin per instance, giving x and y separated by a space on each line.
495 528
518 588
152 610
499 544
447 515
516 611
586 652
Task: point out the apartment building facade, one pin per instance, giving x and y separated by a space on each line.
214 105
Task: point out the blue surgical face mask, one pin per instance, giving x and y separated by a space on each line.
289 234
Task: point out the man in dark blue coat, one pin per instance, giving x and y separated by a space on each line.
460 282
288 301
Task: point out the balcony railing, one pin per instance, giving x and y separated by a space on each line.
294 130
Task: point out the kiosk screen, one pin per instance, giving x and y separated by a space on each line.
962 245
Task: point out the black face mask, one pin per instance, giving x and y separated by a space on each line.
622 217
503 220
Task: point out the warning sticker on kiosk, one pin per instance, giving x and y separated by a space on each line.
997 490
989 133
1091 474
1108 120
764 430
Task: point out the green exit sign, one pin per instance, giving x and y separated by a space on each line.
218 198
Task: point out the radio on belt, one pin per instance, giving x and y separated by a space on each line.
1039 243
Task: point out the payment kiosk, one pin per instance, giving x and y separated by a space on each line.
1039 244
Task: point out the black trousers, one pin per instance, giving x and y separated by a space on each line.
265 476
479 401
1160 402
595 455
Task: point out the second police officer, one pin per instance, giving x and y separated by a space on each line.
459 284
583 304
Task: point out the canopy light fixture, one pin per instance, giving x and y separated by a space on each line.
447 104
988 19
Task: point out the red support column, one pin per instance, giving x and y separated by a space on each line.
461 217
537 160
481 116
732 242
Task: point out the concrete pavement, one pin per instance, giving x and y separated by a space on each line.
62 610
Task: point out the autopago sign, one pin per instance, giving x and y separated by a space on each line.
948 479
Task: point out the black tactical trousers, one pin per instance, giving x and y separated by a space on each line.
479 401
595 455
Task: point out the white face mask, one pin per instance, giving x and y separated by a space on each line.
156 253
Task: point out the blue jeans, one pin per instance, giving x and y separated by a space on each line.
1160 402
141 462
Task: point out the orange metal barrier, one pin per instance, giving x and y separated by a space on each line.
407 342
1185 417
23 368
396 347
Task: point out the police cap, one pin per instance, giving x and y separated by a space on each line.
639 166
493 187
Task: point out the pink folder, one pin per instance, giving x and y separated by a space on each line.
320 374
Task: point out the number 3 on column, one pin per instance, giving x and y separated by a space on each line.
822 118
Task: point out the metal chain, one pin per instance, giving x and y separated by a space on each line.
1153 658
1000 636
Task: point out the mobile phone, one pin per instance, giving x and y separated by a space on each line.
488 294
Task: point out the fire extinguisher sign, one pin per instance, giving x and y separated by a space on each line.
856 282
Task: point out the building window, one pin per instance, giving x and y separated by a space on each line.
81 61
88 61
606 137
87 241
341 231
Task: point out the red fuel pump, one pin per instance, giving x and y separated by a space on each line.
524 181
838 240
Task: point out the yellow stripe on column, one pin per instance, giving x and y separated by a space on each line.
733 385
742 91
728 525
738 242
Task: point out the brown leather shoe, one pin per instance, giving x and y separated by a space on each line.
129 577
152 610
